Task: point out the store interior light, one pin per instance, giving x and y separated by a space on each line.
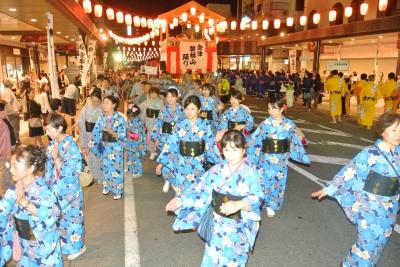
348 11
12 9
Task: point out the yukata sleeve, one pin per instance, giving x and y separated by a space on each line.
156 132
195 202
223 122
255 195
249 122
81 117
254 145
351 175
6 226
96 141
169 154
69 176
212 153
119 128
297 151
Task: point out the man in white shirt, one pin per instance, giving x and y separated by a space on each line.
12 107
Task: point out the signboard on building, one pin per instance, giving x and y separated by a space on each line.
149 70
193 56
339 65
16 51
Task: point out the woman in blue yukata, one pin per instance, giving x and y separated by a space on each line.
210 106
270 147
237 117
135 141
151 109
232 194
191 145
62 176
109 133
367 188
87 119
30 208
162 130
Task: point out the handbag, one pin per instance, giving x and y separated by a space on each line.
35 123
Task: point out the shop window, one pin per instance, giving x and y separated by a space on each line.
355 4
338 7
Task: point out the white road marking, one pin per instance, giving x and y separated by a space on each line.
334 130
301 121
324 132
344 144
132 255
328 160
367 140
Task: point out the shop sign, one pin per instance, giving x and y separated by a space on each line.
292 60
337 65
16 51
192 56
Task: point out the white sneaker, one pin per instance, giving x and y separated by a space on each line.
105 192
136 175
72 257
270 212
153 156
165 188
116 197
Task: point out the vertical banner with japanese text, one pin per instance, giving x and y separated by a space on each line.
192 56
292 61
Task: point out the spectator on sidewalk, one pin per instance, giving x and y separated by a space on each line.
12 107
7 142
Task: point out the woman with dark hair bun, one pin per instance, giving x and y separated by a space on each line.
210 106
270 146
229 197
367 189
90 114
30 208
190 146
63 168
162 130
108 135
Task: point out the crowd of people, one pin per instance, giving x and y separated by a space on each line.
224 170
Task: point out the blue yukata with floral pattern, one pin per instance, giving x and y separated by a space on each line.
239 115
274 167
65 185
45 250
187 170
374 215
232 240
136 149
112 153
207 104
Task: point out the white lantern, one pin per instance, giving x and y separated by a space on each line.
188 25
157 23
224 25
383 5
201 18
157 32
175 21
110 14
143 22
136 21
303 20
332 15
171 26
348 11
265 24
152 34
363 9
242 26
129 30
153 43
289 21
87 6
211 22
150 23
184 17
193 11
254 25
128 19
98 10
197 27
211 31
277 23
316 18
233 25
120 17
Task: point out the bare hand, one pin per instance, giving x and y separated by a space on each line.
240 127
158 169
231 207
220 107
173 205
319 194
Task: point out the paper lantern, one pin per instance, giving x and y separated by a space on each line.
129 30
175 21
152 34
348 11
205 31
242 26
143 22
110 14
171 26
233 25
211 22
136 21
197 27
303 20
383 5
289 21
87 6
211 30
265 24
150 23
332 15
224 25
157 23
363 9
193 11
98 10
188 25
254 25
120 17
201 18
277 23
184 17
316 18
128 19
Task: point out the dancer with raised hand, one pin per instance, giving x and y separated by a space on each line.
270 147
367 189
228 197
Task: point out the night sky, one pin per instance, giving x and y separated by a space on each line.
152 8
